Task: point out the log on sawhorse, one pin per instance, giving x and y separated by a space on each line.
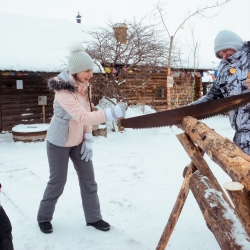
204 170
219 216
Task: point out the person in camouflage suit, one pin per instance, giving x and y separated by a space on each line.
233 79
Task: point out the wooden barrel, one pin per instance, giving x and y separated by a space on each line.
30 132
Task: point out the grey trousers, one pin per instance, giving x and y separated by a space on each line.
58 158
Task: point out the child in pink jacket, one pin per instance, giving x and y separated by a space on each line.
70 136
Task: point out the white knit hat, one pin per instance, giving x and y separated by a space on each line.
227 39
78 59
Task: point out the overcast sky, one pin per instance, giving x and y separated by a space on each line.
233 16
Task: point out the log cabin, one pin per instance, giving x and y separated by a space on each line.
34 49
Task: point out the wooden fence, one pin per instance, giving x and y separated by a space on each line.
228 219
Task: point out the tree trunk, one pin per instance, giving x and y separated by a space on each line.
241 201
176 211
220 218
221 150
169 72
199 162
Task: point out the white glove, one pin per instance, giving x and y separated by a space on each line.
86 149
116 112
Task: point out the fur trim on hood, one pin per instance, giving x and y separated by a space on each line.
56 84
61 82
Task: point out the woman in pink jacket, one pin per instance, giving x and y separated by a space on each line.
70 136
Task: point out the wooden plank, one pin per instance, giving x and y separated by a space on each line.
29 101
16 96
24 105
16 111
29 82
24 117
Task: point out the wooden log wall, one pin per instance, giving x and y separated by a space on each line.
182 93
20 106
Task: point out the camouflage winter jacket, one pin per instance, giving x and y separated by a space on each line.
228 84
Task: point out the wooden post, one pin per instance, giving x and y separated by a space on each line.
241 201
43 112
199 162
176 211
42 100
220 217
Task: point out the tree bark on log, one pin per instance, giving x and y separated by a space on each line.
176 211
221 150
200 163
241 201
219 216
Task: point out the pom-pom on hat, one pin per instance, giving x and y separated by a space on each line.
227 39
79 60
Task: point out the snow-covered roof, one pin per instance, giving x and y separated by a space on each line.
31 43
37 44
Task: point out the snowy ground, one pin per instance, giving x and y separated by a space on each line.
139 174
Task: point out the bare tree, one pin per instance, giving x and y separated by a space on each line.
195 47
144 52
158 12
200 12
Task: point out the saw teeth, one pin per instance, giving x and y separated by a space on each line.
199 111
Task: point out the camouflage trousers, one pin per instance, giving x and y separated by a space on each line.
242 140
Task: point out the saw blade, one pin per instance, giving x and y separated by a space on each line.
198 111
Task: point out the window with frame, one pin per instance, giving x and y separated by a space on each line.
160 94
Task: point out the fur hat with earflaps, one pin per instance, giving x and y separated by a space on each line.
227 39
79 60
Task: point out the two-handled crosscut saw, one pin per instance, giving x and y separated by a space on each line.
198 111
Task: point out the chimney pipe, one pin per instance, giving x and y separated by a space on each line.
78 18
